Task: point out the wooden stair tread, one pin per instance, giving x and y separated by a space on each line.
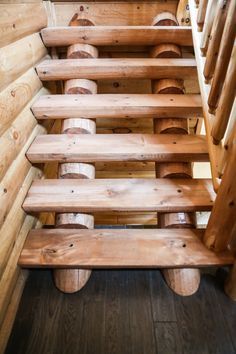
117 106
96 69
117 35
154 248
118 147
84 195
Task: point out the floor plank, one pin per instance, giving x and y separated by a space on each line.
167 338
121 306
142 341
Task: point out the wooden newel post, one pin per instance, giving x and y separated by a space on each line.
182 281
72 280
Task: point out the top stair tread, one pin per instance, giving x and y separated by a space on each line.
117 35
95 69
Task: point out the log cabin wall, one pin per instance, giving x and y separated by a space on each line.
21 48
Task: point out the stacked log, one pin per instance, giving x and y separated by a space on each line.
182 281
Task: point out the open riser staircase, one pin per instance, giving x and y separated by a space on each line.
73 247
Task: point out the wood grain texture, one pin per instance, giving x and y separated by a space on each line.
222 223
116 69
118 147
19 56
11 273
10 229
17 21
19 135
123 311
226 102
118 248
215 152
117 106
15 97
7 324
164 195
127 13
225 50
116 35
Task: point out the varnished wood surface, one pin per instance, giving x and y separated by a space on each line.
116 69
81 248
116 35
124 312
117 106
84 195
118 147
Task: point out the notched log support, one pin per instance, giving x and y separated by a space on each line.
72 280
182 281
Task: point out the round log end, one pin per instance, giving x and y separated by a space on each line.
78 126
80 86
174 170
165 19
71 280
168 86
184 282
82 51
177 220
170 126
76 170
165 51
76 21
74 221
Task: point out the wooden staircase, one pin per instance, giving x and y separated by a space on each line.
87 248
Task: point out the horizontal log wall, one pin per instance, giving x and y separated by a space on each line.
21 48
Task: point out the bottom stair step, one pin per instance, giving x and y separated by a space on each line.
150 248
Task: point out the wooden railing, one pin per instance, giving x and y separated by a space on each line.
214 30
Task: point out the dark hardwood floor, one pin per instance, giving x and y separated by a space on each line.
124 312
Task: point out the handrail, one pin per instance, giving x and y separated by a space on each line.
215 52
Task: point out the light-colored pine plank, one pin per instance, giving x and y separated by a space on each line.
117 106
116 35
154 248
132 68
164 195
118 147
